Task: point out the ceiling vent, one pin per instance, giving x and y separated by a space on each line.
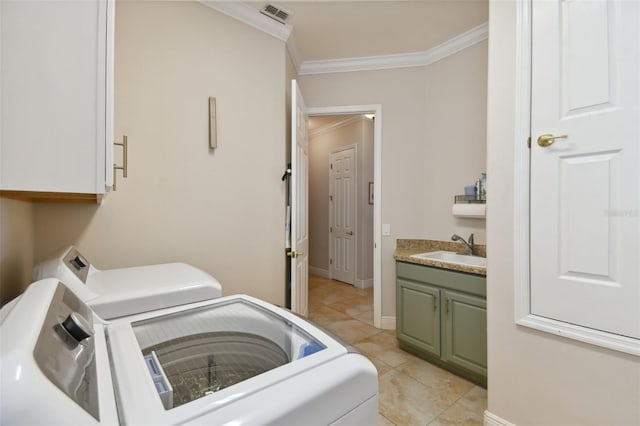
277 13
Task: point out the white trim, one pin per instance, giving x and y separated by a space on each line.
402 60
491 419
320 272
388 323
521 160
522 278
364 283
252 17
294 52
583 334
334 126
377 195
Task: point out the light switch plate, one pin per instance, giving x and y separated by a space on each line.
386 229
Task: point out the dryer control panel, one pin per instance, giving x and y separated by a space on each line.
77 263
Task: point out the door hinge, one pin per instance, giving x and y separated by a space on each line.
331 229
331 166
330 197
330 261
529 142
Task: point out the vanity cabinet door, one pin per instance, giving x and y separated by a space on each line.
418 308
465 331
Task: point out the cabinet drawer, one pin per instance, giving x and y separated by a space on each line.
452 280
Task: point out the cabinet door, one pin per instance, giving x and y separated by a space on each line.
465 331
418 310
56 95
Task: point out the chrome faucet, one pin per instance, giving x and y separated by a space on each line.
456 237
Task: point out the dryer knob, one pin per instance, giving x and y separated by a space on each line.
77 326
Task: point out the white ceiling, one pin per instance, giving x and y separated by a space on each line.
325 30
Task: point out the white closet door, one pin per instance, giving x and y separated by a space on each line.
343 215
585 188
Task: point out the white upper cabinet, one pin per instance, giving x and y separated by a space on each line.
56 99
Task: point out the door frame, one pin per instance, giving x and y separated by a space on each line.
522 224
377 192
357 210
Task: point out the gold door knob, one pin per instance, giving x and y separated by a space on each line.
294 254
547 139
349 232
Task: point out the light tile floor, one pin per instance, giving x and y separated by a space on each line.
411 390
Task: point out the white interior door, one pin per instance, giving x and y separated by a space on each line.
585 188
342 201
299 202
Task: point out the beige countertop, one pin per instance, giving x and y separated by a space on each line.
406 248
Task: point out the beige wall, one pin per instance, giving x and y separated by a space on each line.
431 145
536 378
321 144
16 247
455 152
223 210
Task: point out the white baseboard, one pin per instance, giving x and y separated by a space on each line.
364 283
491 419
388 323
314 270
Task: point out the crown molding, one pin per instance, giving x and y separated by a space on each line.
403 60
336 125
294 52
252 17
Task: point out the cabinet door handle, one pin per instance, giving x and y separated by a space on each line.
447 305
435 303
124 166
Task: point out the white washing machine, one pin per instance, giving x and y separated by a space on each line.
234 360
119 292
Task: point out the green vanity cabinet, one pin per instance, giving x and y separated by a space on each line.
464 340
419 322
441 316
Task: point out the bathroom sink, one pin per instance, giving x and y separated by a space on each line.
453 257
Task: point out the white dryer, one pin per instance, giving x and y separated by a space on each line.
114 293
234 360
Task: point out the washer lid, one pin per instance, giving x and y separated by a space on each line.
183 363
200 351
138 289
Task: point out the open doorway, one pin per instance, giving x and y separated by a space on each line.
341 202
340 207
